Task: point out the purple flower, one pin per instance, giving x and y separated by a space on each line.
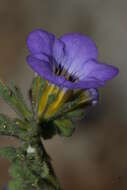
70 61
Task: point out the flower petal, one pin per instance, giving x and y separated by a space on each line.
39 66
58 51
98 71
83 84
78 49
44 69
94 75
96 79
40 42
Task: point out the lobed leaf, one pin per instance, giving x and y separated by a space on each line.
15 99
8 152
10 127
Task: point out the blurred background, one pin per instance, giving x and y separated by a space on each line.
95 158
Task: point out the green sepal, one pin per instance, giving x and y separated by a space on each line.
8 152
64 127
37 89
14 98
51 98
75 115
75 107
66 108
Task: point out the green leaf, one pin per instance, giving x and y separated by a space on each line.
20 170
19 184
52 180
10 127
64 126
15 99
16 185
45 170
8 152
16 170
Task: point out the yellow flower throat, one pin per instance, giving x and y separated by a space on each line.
61 97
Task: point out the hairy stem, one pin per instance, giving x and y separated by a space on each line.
39 164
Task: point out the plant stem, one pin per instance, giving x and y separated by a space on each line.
42 158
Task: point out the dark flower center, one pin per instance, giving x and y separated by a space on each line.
59 70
